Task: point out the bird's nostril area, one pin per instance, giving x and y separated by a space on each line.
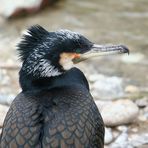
124 49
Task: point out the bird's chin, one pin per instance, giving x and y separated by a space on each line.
78 60
67 65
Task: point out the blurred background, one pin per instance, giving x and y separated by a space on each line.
119 84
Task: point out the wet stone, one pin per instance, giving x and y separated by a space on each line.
0 130
6 99
4 78
122 128
107 88
131 89
138 140
121 141
108 135
100 104
116 133
145 112
142 102
142 117
119 112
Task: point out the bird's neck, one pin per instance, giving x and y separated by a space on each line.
72 77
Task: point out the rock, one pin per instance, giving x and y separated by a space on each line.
132 141
142 118
3 111
0 131
116 133
6 99
121 141
146 112
4 79
142 102
107 87
100 104
146 109
108 135
13 8
122 128
135 130
119 112
146 116
138 140
131 89
93 77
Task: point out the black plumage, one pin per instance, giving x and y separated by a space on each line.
55 107
64 116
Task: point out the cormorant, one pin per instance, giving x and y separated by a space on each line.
55 108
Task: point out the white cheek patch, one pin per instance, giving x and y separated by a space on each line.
66 60
67 64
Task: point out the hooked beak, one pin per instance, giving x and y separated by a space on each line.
99 50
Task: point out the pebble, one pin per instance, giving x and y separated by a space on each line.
100 103
4 79
142 102
107 88
131 89
116 133
146 109
132 141
122 128
135 130
3 111
6 99
119 112
94 77
142 118
121 141
146 112
138 140
108 135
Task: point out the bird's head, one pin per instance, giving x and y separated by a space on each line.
47 54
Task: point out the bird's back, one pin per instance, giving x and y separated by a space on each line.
64 117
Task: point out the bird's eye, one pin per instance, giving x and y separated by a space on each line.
78 50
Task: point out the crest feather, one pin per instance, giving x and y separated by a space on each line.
35 35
